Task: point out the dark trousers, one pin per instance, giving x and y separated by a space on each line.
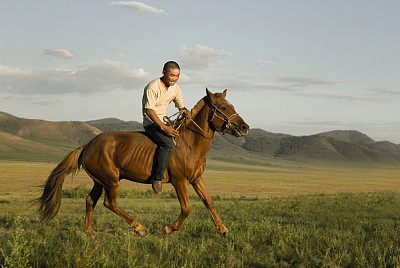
165 150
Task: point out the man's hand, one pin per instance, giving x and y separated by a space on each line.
186 112
167 129
170 131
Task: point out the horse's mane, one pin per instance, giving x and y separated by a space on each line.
196 109
200 104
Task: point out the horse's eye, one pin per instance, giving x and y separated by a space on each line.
223 108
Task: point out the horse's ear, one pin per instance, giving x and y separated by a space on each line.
224 93
210 96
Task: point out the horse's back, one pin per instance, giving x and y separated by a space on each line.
116 137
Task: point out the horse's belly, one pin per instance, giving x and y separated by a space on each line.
128 155
134 155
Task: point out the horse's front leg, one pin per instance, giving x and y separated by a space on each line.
182 191
201 190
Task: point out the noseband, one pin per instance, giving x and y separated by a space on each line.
226 119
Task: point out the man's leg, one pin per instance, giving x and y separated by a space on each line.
165 150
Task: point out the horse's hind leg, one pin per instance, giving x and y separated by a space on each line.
91 202
110 202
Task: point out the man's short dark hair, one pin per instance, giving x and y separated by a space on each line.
170 65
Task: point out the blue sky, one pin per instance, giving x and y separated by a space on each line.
296 67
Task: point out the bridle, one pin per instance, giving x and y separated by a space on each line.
180 121
226 119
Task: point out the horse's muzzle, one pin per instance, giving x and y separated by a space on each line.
241 130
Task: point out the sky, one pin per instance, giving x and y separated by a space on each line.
295 67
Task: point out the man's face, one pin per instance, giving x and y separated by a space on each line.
171 77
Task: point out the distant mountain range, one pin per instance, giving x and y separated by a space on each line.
40 140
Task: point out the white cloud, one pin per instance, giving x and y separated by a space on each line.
61 53
93 77
332 95
275 82
202 57
11 71
186 78
293 85
386 91
269 63
120 55
302 80
243 85
139 7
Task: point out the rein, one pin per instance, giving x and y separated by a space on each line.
179 121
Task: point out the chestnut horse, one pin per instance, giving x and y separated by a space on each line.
112 156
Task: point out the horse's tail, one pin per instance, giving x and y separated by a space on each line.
50 200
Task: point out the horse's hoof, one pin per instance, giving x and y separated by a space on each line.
91 232
166 230
224 234
141 232
223 231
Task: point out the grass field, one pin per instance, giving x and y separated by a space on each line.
228 179
279 215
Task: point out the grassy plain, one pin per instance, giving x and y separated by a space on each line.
280 214
229 179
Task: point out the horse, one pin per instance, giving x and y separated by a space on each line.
112 156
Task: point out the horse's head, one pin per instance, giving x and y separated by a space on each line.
224 117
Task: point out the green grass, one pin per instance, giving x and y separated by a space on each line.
280 214
339 230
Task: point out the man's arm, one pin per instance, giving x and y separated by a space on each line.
170 131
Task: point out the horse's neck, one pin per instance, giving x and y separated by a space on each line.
201 120
199 137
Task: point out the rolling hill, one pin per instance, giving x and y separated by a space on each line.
114 124
333 147
32 139
355 137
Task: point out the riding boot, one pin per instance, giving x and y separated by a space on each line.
157 186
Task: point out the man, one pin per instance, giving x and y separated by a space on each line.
158 94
